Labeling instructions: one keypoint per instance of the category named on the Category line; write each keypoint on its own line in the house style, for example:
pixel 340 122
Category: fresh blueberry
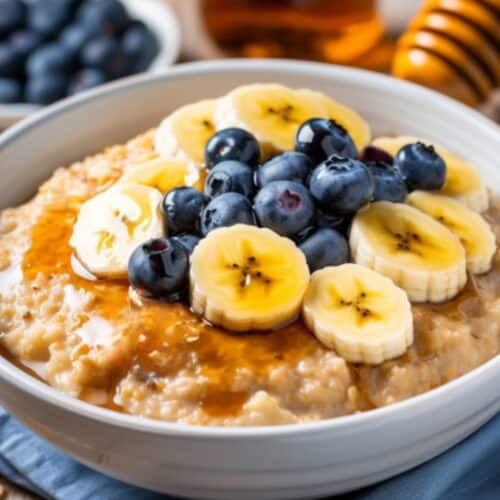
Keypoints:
pixel 108 16
pixel 48 17
pixel 11 63
pixel 230 176
pixel 226 210
pixel 334 221
pixel 75 36
pixel 86 79
pixel 49 58
pixel 12 16
pixel 140 47
pixel 10 91
pixel 319 138
pixel 182 207
pixel 285 207
pixel 372 153
pixel 420 166
pixel 24 42
pixel 159 267
pixel 45 89
pixel 325 247
pixel 388 183
pixel 289 166
pixel 104 53
pixel 341 185
pixel 232 144
pixel 188 241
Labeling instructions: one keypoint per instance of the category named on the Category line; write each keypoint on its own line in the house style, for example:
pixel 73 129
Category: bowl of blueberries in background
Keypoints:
pixel 51 49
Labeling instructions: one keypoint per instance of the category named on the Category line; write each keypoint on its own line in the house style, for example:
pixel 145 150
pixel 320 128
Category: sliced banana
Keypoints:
pixel 473 231
pixel 271 112
pixel 418 253
pixel 184 133
pixel 111 225
pixel 463 181
pixel 165 174
pixel 358 128
pixel 359 313
pixel 247 278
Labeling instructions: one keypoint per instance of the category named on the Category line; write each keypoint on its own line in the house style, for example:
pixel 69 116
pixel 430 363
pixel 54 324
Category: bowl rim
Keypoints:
pixel 40 390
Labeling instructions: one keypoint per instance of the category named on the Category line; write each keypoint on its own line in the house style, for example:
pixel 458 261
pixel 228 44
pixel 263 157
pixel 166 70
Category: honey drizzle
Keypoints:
pixel 168 338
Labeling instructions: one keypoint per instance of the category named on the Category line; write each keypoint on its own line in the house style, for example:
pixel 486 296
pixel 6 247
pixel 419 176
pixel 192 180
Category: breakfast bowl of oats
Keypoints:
pixel 246 279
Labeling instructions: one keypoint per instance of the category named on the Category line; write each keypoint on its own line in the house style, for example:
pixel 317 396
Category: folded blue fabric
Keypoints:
pixel 469 470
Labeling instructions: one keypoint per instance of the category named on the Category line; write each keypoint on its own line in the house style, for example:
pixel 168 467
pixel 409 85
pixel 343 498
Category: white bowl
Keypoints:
pixel 294 461
pixel 161 20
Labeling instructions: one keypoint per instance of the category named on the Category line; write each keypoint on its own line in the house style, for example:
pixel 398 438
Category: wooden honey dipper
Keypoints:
pixel 453 46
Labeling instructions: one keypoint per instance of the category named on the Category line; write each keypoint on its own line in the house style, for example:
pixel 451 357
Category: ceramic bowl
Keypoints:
pixel 161 20
pixel 283 462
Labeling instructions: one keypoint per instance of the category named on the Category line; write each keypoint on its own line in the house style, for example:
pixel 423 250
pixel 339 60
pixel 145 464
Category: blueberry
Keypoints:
pixel 388 183
pixel 24 42
pixel 188 241
pixel 182 207
pixel 325 247
pixel 12 16
pixel 45 89
pixel 140 46
pixel 341 185
pixel 11 63
pixel 49 58
pixel 230 176
pixel 334 221
pixel 104 53
pixel 75 36
pixel 10 91
pixel 420 166
pixel 159 267
pixel 226 210
pixel 107 16
pixel 48 17
pixel 372 153
pixel 319 138
pixel 86 79
pixel 286 207
pixel 232 144
pixel 289 166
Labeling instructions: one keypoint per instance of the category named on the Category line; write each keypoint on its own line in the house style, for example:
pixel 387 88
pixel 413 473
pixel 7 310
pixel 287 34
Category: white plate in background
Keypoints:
pixel 161 20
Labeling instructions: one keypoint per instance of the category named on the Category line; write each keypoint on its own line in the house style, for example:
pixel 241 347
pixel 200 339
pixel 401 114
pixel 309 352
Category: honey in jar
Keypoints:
pixel 328 30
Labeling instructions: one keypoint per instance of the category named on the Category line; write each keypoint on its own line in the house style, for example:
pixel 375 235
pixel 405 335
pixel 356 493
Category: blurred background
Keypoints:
pixel 53 48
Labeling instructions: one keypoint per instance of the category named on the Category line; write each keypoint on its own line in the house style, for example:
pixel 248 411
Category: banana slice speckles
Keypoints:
pixel 473 231
pixel 418 253
pixel 184 133
pixel 247 278
pixel 112 224
pixel 359 313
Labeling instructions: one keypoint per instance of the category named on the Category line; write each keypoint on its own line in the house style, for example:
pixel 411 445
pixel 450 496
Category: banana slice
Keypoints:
pixel 184 133
pixel 271 112
pixel 361 314
pixel 247 278
pixel 473 231
pixel 358 128
pixel 111 225
pixel 418 253
pixel 165 174
pixel 463 181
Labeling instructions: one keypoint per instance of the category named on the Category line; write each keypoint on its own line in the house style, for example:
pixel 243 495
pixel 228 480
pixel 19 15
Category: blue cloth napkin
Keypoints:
pixel 471 470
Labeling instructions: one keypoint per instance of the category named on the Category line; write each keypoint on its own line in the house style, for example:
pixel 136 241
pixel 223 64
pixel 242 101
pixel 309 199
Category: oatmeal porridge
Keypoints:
pixel 87 331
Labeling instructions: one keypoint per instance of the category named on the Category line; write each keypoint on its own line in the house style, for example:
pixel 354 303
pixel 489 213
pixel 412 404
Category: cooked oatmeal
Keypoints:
pixel 158 360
